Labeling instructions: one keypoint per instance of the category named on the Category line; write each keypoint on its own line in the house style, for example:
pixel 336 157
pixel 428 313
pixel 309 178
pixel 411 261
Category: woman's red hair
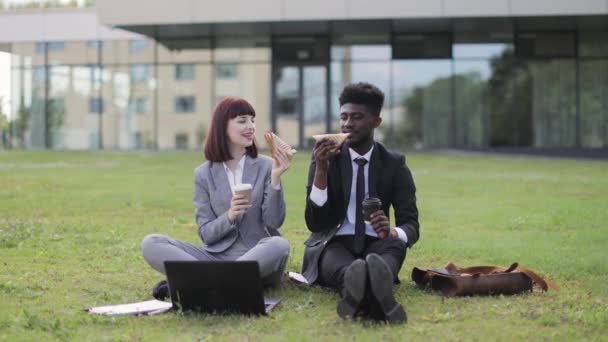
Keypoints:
pixel 216 144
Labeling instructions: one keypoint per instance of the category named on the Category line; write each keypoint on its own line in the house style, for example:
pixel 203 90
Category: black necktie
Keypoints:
pixel 359 224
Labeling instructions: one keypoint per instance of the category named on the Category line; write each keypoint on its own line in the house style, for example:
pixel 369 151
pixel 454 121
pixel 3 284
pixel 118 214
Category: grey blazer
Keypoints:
pixel 212 197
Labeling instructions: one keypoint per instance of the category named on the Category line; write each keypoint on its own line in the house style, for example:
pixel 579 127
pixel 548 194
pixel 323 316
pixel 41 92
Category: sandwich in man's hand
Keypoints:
pixel 338 138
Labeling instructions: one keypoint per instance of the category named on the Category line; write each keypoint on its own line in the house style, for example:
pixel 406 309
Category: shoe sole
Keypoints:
pixel 381 282
pixel 355 278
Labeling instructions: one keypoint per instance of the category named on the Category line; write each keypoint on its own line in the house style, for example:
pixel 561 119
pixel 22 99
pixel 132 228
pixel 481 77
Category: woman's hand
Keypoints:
pixel 238 205
pixel 280 163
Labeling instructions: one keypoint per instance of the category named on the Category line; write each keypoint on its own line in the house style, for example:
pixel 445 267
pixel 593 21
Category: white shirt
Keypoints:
pixel 347 227
pixel 236 177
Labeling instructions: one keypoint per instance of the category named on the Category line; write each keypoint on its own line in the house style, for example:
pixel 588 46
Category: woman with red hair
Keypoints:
pixel 232 226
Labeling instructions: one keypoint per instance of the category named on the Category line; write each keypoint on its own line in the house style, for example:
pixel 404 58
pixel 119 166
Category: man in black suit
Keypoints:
pixel 360 260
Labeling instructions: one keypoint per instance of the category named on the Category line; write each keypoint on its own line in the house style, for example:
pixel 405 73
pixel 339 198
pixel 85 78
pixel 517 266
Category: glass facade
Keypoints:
pixel 510 90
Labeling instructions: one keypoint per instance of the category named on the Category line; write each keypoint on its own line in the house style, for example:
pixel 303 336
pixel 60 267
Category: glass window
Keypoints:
pixel 422 94
pixel 39 76
pixel 593 44
pixel 181 141
pixel 226 71
pixel 242 49
pixel 137 45
pixel 171 123
pixel 470 98
pixel 140 72
pixel 552 90
pixel 120 122
pixel 479 50
pixel 95 44
pixel 40 47
pixel 55 46
pixel 184 104
pixel 138 105
pixel 95 105
pixel 184 72
pixel 593 88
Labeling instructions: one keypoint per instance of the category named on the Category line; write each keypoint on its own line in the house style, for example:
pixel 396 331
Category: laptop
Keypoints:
pixel 218 287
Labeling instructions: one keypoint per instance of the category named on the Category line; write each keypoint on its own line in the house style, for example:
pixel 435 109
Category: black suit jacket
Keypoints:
pixel 389 179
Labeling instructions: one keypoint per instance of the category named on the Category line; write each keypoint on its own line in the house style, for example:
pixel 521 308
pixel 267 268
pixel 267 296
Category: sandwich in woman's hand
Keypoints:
pixel 274 142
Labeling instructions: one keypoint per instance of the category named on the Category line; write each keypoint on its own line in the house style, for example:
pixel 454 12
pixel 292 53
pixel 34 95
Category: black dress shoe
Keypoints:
pixel 353 291
pixel 160 291
pixel 381 283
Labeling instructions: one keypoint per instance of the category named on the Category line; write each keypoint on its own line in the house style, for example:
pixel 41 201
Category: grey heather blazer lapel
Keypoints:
pixel 375 165
pixel 222 187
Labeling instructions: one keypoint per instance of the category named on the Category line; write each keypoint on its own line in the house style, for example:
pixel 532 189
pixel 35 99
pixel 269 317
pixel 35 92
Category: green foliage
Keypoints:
pixel 72 222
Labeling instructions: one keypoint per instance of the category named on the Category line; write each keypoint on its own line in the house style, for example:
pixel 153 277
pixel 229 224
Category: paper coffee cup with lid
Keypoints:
pixel 244 189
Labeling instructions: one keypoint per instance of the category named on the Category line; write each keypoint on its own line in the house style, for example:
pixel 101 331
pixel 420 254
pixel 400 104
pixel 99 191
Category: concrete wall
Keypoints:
pixel 64 25
pixel 118 12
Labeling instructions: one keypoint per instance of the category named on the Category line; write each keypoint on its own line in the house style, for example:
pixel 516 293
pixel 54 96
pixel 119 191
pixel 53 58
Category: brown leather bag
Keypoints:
pixel 480 280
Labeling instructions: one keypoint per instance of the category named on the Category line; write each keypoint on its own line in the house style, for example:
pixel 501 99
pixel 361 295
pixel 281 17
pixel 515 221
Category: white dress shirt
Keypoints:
pixel 235 177
pixel 347 227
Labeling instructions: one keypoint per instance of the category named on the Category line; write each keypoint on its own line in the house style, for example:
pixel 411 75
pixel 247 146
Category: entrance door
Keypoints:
pixel 301 107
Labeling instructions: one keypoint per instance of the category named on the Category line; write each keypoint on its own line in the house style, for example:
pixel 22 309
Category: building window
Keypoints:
pixel 226 71
pixel 138 105
pixel 181 141
pixel 49 46
pixel 139 72
pixel 184 104
pixel 138 141
pixel 94 44
pixel 96 105
pixel 137 46
pixel 184 72
pixel 39 75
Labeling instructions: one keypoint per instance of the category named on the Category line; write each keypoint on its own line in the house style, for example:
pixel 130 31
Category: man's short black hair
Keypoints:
pixel 365 94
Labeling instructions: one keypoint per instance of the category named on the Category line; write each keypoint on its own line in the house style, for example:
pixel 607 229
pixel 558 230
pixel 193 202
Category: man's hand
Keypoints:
pixel 324 150
pixel 381 224
pixel 238 205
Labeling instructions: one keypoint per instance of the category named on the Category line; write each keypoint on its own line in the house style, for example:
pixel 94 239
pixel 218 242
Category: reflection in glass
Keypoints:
pixel 314 102
pixel 376 73
pixel 594 103
pixel 422 93
pixel 554 103
pixel 191 128
pixel 485 50
pixel 122 127
pixel 71 125
pixel 288 104
pixel 470 100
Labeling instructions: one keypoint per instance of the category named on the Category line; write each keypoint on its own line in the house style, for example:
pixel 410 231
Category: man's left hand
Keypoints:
pixel 380 223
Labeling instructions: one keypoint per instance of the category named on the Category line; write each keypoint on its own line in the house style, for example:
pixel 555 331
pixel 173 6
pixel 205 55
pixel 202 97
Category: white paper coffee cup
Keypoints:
pixel 243 189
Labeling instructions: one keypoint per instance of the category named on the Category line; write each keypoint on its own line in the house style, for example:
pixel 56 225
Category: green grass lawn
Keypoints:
pixel 71 225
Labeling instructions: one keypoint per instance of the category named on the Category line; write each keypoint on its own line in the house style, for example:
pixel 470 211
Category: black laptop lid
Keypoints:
pixel 216 286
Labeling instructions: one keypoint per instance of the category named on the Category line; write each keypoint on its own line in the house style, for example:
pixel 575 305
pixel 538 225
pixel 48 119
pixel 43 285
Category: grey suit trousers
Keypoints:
pixel 271 253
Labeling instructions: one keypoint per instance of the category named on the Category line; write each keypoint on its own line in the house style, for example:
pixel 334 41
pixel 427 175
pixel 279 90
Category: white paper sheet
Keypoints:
pixel 298 278
pixel 149 307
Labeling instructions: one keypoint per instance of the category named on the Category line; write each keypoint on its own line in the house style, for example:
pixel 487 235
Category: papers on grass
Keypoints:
pixel 298 278
pixel 149 307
